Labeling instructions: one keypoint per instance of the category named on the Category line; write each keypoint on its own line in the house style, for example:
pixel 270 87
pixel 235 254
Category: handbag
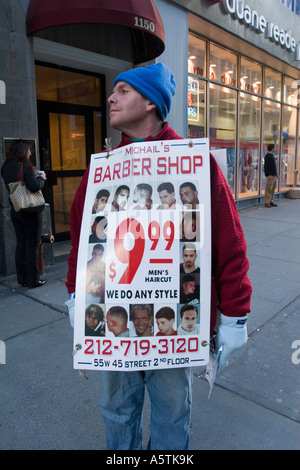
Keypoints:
pixel 22 198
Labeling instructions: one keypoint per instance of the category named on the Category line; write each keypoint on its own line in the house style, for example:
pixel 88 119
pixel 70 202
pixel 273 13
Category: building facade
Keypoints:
pixel 236 65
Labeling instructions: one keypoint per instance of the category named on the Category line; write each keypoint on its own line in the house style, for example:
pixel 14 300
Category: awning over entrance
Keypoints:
pixel 139 17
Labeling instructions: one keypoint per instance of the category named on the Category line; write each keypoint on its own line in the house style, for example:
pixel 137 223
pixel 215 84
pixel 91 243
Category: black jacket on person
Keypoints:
pixel 10 175
pixel 27 226
pixel 270 165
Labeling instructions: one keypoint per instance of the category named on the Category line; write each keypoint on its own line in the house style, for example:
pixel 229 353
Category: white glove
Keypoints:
pixel 71 308
pixel 231 335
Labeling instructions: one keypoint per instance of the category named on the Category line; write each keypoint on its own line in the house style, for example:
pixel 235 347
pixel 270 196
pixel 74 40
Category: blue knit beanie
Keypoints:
pixel 155 82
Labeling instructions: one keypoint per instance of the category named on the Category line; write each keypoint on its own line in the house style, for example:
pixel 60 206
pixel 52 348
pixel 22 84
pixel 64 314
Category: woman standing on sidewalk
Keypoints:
pixel 28 225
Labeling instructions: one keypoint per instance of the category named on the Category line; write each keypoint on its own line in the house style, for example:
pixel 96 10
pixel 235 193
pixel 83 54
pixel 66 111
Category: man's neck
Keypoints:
pixel 144 130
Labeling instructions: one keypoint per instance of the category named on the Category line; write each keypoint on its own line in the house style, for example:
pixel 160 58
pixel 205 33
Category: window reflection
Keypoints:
pixel 291 91
pixel 196 107
pixel 271 116
pixel 248 178
pixel 218 109
pixel 272 87
pixel 297 179
pixel 63 195
pixel 97 118
pixel 222 65
pixel 222 127
pixel 67 141
pixel 196 61
pixel 64 86
pixel 250 76
pixel 288 147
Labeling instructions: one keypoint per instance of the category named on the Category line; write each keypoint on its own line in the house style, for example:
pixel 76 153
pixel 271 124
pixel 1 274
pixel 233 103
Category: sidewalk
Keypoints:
pixel 255 403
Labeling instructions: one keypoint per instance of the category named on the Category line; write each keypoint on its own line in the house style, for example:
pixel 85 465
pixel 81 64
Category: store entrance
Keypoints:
pixel 68 134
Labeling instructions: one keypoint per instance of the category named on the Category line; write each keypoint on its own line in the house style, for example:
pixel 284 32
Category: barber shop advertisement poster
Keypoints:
pixel 144 264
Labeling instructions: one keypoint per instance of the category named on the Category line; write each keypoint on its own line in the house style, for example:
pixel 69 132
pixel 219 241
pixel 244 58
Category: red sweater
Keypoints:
pixel 231 288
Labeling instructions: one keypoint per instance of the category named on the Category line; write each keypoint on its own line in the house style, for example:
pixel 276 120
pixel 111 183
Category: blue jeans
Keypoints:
pixel 122 400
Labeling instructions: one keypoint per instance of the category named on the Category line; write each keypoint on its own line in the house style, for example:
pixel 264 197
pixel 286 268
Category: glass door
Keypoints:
pixel 69 132
pixel 68 154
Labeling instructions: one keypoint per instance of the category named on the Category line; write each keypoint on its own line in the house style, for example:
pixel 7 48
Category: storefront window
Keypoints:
pixel 289 120
pixel 236 93
pixel 250 76
pixel 222 65
pixel 196 88
pixel 196 61
pixel 196 107
pixel 67 141
pixel 271 126
pixel 272 88
pixel 297 181
pixel 291 91
pixel 64 86
pixel 222 129
pixel 248 174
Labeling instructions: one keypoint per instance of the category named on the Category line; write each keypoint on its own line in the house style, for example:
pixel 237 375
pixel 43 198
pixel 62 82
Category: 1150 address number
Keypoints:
pixel 144 24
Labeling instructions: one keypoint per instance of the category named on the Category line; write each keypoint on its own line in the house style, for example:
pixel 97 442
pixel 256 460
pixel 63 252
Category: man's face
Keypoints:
pixel 141 196
pixel 91 321
pixel 189 257
pixel 97 255
pixel 101 203
pixel 141 320
pixel 165 326
pixel 189 287
pixel 122 198
pixel 188 195
pixel 188 320
pixel 127 107
pixel 167 199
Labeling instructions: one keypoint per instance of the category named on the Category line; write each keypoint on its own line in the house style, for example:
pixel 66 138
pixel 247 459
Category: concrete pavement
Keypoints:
pixel 255 403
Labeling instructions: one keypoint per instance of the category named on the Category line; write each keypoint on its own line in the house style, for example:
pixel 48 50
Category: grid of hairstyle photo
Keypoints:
pixel 142 319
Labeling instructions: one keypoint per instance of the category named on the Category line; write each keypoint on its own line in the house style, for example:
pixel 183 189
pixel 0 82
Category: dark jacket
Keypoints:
pixel 10 175
pixel 270 165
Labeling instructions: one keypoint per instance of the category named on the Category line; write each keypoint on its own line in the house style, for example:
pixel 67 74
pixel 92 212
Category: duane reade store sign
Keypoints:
pixel 251 18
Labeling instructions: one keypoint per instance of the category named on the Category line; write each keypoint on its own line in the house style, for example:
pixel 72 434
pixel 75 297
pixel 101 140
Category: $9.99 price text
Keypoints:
pixel 133 257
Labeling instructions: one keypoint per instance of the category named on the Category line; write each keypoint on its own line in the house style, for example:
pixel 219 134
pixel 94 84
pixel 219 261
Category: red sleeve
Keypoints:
pixel 231 288
pixel 75 226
